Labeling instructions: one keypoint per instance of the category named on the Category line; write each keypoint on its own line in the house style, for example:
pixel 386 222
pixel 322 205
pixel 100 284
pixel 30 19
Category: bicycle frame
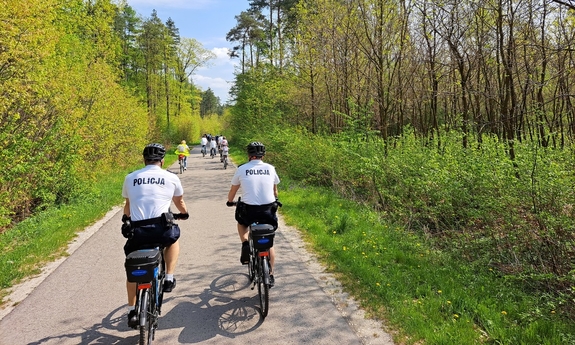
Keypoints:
pixel 259 273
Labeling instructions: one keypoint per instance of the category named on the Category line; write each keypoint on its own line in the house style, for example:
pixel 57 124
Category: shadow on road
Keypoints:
pixel 221 310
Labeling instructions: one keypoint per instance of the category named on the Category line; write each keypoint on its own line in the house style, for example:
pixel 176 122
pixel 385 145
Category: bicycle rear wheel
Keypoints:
pixel 263 287
pixel 181 167
pixel 145 324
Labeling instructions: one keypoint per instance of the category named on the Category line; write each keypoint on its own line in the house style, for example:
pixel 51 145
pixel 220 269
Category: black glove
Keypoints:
pixel 182 216
pixel 230 203
pixel 127 230
pixel 279 203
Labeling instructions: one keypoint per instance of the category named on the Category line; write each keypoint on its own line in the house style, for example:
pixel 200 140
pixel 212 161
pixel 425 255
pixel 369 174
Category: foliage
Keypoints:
pixel 85 85
pixel 427 296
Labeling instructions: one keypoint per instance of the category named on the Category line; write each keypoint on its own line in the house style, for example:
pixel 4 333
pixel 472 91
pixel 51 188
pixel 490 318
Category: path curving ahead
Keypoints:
pixel 82 299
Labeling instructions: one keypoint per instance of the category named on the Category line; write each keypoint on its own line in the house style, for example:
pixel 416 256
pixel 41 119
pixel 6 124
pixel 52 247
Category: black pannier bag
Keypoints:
pixel 141 265
pixel 263 236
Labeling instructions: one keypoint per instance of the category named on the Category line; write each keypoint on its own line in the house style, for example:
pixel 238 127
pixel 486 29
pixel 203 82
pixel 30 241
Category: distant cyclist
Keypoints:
pixel 213 147
pixel 183 150
pixel 258 181
pixel 223 143
pixel 149 193
pixel 204 143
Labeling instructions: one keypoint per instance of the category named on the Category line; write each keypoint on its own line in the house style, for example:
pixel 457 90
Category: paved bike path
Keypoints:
pixel 82 299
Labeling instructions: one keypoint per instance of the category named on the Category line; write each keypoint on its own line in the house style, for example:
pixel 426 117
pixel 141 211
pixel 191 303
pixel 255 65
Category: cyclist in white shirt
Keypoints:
pixel 213 147
pixel 149 192
pixel 223 144
pixel 258 181
pixel 204 142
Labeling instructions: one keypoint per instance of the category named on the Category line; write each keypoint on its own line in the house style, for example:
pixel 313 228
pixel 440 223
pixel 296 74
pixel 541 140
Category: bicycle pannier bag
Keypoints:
pixel 142 265
pixel 263 236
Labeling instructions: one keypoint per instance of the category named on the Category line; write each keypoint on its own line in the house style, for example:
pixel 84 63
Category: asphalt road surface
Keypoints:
pixel 81 299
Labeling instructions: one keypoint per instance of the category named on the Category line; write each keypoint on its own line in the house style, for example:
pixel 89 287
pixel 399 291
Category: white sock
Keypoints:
pixel 170 277
pixel 131 307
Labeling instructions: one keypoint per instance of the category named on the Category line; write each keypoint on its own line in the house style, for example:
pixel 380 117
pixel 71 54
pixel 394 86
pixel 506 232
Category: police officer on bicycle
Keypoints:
pixel 149 193
pixel 259 203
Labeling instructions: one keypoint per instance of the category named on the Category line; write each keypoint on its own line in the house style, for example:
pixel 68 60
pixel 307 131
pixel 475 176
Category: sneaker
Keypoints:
pixel 245 257
pixel 185 168
pixel 272 280
pixel 169 285
pixel 132 319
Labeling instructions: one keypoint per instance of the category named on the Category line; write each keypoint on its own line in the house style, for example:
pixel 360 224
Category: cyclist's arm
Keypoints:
pixel 127 207
pixel 276 190
pixel 232 194
pixel 180 204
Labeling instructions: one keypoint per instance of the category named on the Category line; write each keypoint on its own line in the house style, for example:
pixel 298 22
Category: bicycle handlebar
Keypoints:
pixel 182 216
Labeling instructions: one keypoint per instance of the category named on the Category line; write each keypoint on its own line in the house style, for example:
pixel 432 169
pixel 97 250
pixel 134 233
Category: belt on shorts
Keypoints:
pixel 138 223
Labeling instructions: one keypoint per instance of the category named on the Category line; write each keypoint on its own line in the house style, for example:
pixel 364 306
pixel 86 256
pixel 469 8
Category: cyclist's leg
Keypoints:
pixel 171 254
pixel 131 289
pixel 272 259
pixel 185 162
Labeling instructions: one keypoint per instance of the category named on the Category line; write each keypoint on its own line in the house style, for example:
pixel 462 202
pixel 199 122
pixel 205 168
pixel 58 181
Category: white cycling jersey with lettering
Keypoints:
pixel 150 191
pixel 257 180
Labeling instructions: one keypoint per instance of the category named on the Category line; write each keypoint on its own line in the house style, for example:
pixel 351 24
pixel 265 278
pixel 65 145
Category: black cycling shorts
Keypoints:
pixel 153 235
pixel 262 214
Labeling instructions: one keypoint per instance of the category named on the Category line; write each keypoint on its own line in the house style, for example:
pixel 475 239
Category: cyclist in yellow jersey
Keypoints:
pixel 184 150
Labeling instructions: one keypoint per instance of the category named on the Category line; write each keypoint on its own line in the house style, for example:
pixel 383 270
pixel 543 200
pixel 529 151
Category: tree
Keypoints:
pixel 191 55
pixel 210 104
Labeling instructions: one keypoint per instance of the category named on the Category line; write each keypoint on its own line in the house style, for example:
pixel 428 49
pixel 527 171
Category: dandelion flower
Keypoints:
pixel 504 312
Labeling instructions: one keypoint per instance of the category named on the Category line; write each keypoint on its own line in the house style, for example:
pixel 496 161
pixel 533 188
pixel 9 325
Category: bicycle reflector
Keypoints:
pixel 144 286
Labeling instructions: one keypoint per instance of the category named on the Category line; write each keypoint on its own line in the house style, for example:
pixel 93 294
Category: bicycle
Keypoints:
pixel 261 239
pixel 147 268
pixel 203 150
pixel 225 160
pixel 213 152
pixel 181 161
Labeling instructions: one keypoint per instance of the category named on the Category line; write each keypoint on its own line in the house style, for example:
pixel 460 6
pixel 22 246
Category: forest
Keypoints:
pixel 85 84
pixel 454 119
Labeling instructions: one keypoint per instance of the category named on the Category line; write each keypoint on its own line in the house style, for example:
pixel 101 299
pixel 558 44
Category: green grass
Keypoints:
pixel 428 296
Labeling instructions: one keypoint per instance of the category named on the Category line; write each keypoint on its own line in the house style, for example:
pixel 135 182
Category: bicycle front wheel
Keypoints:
pixel 263 288
pixel 145 325
pixel 181 167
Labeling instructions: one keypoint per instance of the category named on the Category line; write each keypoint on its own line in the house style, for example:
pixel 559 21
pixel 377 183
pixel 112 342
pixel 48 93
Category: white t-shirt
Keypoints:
pixel 213 144
pixel 204 141
pixel 257 180
pixel 224 142
pixel 225 150
pixel 150 191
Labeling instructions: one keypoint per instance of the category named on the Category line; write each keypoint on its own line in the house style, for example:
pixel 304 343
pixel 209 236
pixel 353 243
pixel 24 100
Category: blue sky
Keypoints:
pixel 207 21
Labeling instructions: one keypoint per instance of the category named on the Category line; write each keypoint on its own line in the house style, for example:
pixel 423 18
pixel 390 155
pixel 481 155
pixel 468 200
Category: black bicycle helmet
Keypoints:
pixel 154 152
pixel 256 149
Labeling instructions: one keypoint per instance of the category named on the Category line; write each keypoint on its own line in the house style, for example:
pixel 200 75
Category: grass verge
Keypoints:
pixel 426 296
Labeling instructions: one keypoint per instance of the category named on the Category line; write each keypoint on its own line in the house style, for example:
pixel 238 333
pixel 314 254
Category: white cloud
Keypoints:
pixel 182 4
pixel 219 85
